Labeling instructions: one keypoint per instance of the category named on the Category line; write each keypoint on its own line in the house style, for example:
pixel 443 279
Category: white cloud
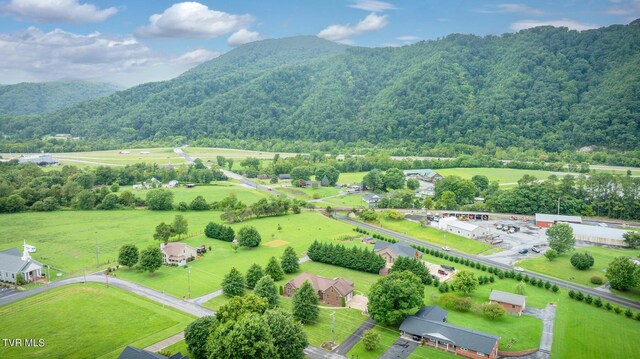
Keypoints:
pixel 243 36
pixel 372 5
pixel 510 8
pixel 407 38
pixel 370 23
pixel 34 55
pixel 70 11
pixel 193 20
pixel 349 42
pixel 568 23
pixel 625 8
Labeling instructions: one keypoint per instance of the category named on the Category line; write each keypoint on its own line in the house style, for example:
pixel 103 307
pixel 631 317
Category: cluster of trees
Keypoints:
pixel 165 231
pixel 219 231
pixel 356 258
pixel 149 259
pixel 538 89
pixel 236 211
pixel 597 301
pixel 394 297
pixel 623 273
pixel 378 181
pixel 414 266
pixel 246 327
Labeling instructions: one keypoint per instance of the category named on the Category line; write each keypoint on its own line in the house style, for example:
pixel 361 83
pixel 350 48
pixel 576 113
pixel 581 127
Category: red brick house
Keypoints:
pixel 512 303
pixel 330 291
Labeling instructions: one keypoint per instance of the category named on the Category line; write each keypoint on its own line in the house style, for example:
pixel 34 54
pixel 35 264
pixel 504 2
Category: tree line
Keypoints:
pixel 355 258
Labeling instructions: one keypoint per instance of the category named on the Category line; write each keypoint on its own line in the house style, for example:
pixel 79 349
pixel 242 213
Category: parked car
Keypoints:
pixel 416 338
pixel 519 269
pixel 442 272
pixel 523 251
pixel 535 249
pixel 505 228
pixel 512 231
pixel 445 248
pixel 499 226
pixel 446 267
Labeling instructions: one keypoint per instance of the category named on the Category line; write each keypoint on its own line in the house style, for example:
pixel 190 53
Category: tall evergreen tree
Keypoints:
pixel 233 283
pixel 274 270
pixel 266 288
pixel 305 303
pixel 254 273
pixel 289 261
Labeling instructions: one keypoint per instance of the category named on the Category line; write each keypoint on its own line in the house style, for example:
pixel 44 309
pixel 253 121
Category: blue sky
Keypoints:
pixel 130 42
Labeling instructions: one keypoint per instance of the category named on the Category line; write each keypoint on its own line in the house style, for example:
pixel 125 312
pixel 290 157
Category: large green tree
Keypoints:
pixel 233 283
pixel 328 174
pixel 394 178
pixel 150 259
pixel 465 282
pixel 287 333
pixel 305 303
pixel 254 273
pixel 128 255
pixel 632 239
pixel 623 274
pixel 266 288
pixel 249 237
pixel 582 261
pixel 163 232
pixel 561 237
pixel 196 335
pixel 159 199
pixel 414 266
pixel 394 297
pixel 273 269
pixel 374 180
pixel 289 261
pixel 180 225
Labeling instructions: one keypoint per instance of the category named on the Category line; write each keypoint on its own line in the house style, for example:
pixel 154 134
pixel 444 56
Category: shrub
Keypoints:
pixel 540 283
pixel 597 302
pixel 492 311
pixel 597 280
pixel 532 281
pixel 588 299
pixel 637 316
pixel 572 294
pixel 628 313
pixel 492 279
pixel 555 288
pixel 618 310
pixel 579 296
pixel 547 285
pixel 447 300
pixel 462 304
pixel 371 340
pixel 582 261
pixel 608 306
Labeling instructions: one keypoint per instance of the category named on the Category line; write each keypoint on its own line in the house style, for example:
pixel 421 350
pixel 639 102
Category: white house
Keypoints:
pixel 171 184
pixel 467 229
pixel 177 253
pixel 12 263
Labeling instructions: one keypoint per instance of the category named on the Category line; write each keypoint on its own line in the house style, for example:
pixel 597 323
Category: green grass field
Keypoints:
pixel 161 156
pixel 179 347
pixel 309 193
pixel 434 236
pixel 422 352
pixel 349 201
pixel 387 337
pixel 561 267
pixel 212 152
pixel 214 192
pixel 298 231
pixel 351 177
pixel 86 321
pixel 503 175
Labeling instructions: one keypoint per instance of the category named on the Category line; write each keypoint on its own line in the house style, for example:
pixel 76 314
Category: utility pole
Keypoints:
pixel 189 281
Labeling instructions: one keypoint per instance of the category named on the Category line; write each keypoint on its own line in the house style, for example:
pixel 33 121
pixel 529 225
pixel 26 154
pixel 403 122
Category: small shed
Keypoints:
pixel 512 303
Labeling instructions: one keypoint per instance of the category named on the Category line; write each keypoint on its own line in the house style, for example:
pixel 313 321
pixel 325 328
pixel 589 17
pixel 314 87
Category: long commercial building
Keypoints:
pixel 600 235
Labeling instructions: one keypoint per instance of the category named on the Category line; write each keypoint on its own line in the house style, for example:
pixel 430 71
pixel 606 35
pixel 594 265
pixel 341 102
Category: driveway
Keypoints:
pixel 354 338
pixel 548 317
pixel 401 349
pixel 4 291
pixel 359 302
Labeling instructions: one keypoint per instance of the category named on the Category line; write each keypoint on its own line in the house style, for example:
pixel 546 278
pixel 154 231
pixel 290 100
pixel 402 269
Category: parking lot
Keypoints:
pixel 528 237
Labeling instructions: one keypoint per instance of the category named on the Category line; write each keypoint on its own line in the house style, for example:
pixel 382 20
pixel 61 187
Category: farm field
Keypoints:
pixel 350 201
pixel 434 236
pixel 561 267
pixel 214 192
pixel 161 156
pixel 206 153
pixel 503 175
pixel 298 231
pixel 104 321
pixel 66 240
pixel 309 193
pixel 351 177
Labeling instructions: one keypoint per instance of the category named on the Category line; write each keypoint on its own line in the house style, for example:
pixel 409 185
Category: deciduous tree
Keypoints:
pixel 249 237
pixel 622 273
pixel 273 269
pixel 196 335
pixel 394 297
pixel 233 283
pixel 128 255
pixel 465 282
pixel 266 288
pixel 254 273
pixel 561 237
pixel 180 225
pixel 150 259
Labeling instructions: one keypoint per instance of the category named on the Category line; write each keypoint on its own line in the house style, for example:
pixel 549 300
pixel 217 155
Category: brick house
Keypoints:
pixel 512 303
pixel 330 291
pixel 429 327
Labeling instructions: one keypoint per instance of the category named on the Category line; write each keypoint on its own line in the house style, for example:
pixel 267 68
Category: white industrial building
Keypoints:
pixel 465 229
pixel 600 235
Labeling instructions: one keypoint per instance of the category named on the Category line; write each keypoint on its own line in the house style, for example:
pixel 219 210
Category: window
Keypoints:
pixel 479 353
pixel 513 306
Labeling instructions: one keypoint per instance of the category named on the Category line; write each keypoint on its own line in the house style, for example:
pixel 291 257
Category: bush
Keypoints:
pixel 598 302
pixel 572 294
pixel 555 288
pixel 462 304
pixel 582 261
pixel 493 311
pixel 628 313
pixel 588 299
pixel 579 296
pixel 597 280
pixel 547 285
pixel 532 281
pixel 618 310
pixel 371 340
pixel 608 306
pixel 249 237
pixel 540 283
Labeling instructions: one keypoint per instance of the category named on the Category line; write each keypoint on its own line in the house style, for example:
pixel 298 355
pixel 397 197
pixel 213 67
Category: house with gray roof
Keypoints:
pixel 12 263
pixel 429 327
pixel 391 251
pixel 372 199
pixel 512 303
pixel 425 175
pixel 135 353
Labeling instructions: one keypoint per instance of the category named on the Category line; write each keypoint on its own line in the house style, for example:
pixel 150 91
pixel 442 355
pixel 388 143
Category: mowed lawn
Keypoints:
pixel 214 192
pixel 161 155
pixel 67 239
pixel 561 267
pixel 86 321
pixel 349 201
pixel 435 236
pixel 309 193
pixel 387 337
pixel 206 274
pixel 351 177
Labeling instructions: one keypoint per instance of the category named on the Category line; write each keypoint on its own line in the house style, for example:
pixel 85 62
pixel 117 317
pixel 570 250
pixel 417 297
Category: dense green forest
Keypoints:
pixel 543 89
pixel 31 98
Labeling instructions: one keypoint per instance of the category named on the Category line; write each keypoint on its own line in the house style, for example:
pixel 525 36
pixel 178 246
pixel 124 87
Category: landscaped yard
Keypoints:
pixel 298 231
pixel 179 347
pixel 387 337
pixel 423 352
pixel 561 267
pixel 86 321
pixel 434 236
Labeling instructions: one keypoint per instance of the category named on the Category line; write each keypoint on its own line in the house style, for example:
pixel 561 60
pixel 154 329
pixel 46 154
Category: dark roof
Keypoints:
pixel 135 353
pixel 400 248
pixel 449 333
pixel 11 261
pixel 432 312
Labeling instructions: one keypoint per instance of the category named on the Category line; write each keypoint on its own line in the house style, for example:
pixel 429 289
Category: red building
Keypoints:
pixel 548 220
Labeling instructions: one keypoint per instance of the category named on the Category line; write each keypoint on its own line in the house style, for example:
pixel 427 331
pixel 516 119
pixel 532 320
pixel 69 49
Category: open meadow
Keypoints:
pixel 216 191
pixel 86 321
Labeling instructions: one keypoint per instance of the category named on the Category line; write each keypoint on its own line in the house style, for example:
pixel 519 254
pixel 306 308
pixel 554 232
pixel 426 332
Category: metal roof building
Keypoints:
pixel 601 235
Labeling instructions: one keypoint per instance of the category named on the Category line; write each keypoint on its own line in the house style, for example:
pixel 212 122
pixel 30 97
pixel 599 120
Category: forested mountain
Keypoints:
pixel 546 87
pixel 30 98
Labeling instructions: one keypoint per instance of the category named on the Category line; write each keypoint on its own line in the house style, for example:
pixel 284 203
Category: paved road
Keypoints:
pixel 353 339
pixel 401 349
pixel 605 296
pixel 4 291
pixel 548 317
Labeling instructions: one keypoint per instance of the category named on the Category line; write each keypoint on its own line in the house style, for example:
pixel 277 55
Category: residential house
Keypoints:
pixel 171 184
pixel 391 251
pixel 429 327
pixel 372 199
pixel 512 303
pixel 334 291
pixel 135 353
pixel 284 176
pixel 425 175
pixel 176 253
pixel 138 186
pixel 263 176
pixel 12 262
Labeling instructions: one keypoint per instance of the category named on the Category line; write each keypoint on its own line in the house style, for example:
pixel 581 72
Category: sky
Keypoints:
pixel 136 41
